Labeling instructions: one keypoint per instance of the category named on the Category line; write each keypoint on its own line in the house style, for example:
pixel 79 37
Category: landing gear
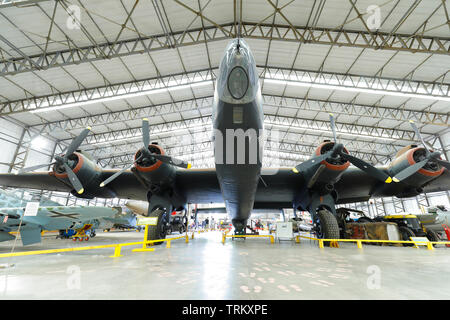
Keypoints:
pixel 432 235
pixel 326 226
pixel 162 226
pixel 406 234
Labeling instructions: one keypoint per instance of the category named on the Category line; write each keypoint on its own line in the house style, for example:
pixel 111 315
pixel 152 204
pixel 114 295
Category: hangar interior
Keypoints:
pixel 375 65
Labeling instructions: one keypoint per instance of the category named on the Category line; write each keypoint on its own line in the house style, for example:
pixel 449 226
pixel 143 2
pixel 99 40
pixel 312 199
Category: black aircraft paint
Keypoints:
pixel 238 128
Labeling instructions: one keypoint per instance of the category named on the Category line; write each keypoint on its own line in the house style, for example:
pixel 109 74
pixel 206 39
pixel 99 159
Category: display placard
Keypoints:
pixel 284 231
pixel 420 241
pixel 31 209
pixel 151 221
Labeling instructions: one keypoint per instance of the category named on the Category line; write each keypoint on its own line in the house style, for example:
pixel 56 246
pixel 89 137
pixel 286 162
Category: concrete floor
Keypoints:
pixel 241 269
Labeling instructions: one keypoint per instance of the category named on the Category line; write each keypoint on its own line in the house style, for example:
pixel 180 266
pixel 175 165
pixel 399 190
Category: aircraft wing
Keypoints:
pixel 125 186
pixel 277 189
pixel 35 180
pixel 202 186
pixel 441 183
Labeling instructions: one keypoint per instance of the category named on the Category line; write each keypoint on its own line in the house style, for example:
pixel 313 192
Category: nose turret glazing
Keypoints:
pixel 238 79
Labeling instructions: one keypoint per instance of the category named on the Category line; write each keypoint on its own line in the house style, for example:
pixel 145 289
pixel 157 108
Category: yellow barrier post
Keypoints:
pixel 187 238
pixel 334 244
pixel 430 246
pixel 297 239
pixel 223 238
pixel 192 235
pixel 321 243
pixel 144 244
pixel 272 240
pixel 116 252
pixel 359 244
pixel 168 244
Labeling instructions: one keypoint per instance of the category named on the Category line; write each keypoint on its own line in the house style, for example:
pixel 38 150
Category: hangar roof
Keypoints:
pixel 374 64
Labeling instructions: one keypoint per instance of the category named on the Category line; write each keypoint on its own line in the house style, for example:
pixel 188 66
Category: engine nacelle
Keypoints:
pixel 88 173
pixel 409 156
pixel 329 171
pixel 158 174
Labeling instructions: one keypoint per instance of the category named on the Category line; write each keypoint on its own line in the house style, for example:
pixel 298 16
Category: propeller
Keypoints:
pixel 338 151
pixel 146 154
pixel 429 156
pixel 118 173
pixel 63 161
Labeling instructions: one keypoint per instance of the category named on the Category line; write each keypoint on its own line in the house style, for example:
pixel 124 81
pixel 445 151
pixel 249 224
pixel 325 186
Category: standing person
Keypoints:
pixel 206 223
pixel 213 224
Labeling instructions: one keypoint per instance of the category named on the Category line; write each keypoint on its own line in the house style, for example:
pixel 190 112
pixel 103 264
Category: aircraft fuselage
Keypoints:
pixel 238 130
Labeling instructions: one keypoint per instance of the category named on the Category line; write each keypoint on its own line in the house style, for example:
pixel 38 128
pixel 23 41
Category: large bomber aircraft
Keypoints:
pixel 315 185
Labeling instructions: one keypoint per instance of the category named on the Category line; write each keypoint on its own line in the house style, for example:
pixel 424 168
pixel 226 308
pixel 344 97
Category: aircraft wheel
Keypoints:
pixel 432 236
pixel 406 233
pixel 326 226
pixel 160 230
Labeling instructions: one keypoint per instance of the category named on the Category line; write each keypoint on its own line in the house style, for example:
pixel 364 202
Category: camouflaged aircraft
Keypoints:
pixel 52 216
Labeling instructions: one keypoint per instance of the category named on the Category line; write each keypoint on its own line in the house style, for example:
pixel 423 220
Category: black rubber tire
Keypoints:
pixel 328 225
pixel 433 236
pixel 406 234
pixel 155 232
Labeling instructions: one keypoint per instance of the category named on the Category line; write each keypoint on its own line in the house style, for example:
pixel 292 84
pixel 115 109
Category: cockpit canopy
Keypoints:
pixel 238 79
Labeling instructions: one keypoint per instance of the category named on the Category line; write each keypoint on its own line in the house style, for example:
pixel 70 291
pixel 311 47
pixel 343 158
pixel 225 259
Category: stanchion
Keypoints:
pixel 144 244
pixel 116 252
pixel 359 244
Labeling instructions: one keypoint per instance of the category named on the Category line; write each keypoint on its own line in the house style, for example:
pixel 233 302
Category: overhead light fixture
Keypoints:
pixel 134 137
pixel 305 82
pixel 325 131
pixel 121 94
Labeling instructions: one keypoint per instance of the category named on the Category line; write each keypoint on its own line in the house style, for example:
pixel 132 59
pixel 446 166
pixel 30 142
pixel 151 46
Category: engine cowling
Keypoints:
pixel 331 169
pixel 158 174
pixel 87 172
pixel 409 156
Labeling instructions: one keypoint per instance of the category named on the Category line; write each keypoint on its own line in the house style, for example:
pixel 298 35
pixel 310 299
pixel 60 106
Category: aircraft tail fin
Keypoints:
pixel 30 236
pixel 5 236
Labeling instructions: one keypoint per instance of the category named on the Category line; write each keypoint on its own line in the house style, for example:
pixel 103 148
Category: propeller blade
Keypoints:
pixel 115 175
pixel 173 161
pixel 145 133
pixel 416 130
pixel 367 168
pixel 118 173
pixel 443 163
pixel 74 179
pixel 76 143
pixel 333 126
pixel 23 170
pixel 308 163
pixel 405 173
